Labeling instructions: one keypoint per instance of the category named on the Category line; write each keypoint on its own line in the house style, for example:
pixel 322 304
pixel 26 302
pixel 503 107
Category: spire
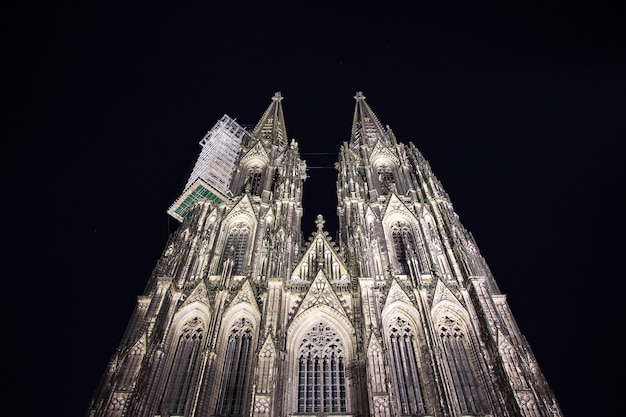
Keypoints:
pixel 366 129
pixel 271 127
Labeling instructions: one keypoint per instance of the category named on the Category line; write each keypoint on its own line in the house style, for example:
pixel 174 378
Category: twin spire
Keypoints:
pixel 366 128
pixel 212 174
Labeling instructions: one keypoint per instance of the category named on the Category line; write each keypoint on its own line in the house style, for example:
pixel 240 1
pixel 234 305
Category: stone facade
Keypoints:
pixel 398 317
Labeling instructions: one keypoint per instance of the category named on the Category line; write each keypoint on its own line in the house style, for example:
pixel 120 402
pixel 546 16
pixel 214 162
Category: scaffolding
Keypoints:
pixel 212 174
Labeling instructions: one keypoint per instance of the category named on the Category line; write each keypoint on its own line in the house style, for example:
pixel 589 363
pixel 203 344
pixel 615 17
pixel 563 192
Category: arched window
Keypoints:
pixel 236 246
pixel 403 244
pixel 186 360
pixel 276 180
pixel 402 342
pixel 253 181
pixel 236 370
pixel 321 372
pixel 386 179
pixel 458 358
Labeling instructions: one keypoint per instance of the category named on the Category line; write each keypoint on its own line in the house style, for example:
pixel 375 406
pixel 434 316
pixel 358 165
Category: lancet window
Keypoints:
pixel 386 179
pixel 408 246
pixel 185 364
pixel 321 372
pixel 253 181
pixel 276 180
pixel 236 246
pixel 403 244
pixel 402 342
pixel 458 356
pixel 236 370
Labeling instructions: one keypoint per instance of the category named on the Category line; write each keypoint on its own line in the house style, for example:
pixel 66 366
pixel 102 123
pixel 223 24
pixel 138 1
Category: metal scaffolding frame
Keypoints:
pixel 211 176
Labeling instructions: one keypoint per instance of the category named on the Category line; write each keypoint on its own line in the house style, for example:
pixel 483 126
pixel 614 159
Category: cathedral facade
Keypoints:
pixel 243 316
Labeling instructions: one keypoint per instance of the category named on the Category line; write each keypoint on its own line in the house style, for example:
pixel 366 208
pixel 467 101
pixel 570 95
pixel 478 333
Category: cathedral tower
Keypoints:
pixel 240 317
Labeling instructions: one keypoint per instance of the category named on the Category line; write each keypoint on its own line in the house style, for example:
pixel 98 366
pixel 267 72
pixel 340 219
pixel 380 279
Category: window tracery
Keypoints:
pixel 236 369
pixel 253 183
pixel 457 353
pixel 386 179
pixel 404 358
pixel 236 246
pixel 403 244
pixel 321 371
pixel 187 352
pixel 407 246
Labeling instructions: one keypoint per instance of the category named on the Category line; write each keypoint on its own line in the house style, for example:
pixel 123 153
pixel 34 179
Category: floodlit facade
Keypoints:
pixel 400 316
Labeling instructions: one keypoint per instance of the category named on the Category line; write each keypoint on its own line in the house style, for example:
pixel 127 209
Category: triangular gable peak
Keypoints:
pixel 396 294
pixel 447 310
pixel 268 214
pixel 243 208
pixel 383 152
pixel 256 153
pixel 245 295
pixel 320 255
pixel 395 207
pixel 321 293
pixel 370 215
pixel 198 294
pixel 373 344
pixel 443 295
pixel 268 348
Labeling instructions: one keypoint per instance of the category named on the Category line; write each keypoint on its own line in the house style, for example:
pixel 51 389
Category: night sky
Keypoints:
pixel 519 108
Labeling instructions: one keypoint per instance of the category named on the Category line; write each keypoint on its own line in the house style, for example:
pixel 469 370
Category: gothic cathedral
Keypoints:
pixel 399 316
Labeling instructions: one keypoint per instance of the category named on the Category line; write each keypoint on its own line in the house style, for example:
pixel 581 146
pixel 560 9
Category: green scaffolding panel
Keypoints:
pixel 200 193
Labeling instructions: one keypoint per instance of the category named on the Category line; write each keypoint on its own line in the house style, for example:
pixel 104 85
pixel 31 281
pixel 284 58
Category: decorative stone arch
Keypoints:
pixel 404 233
pixel 340 326
pixel 236 312
pixel 382 156
pixel 403 336
pixel 458 342
pixel 447 307
pixel 242 212
pixel 193 311
pixel 254 173
pixel 401 308
pixel 446 310
pixel 304 320
pixel 236 344
pixel 183 362
pixel 385 170
pixel 256 156
pixel 238 230
pixel 402 214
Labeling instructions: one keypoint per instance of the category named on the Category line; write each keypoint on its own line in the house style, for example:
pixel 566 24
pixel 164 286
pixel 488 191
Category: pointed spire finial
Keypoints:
pixel 320 222
pixel 271 126
pixel 359 96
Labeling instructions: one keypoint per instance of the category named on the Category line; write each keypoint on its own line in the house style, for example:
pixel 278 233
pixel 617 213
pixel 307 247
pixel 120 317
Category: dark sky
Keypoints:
pixel 519 108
